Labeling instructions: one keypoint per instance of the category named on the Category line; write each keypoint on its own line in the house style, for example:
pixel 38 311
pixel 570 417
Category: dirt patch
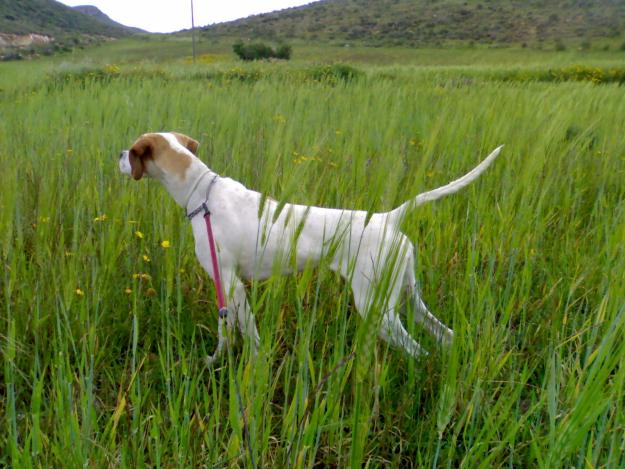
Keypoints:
pixel 24 40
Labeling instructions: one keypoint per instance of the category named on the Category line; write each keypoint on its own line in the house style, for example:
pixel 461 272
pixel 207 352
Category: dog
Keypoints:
pixel 255 235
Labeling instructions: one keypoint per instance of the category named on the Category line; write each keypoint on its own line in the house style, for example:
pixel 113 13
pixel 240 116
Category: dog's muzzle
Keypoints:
pixel 124 163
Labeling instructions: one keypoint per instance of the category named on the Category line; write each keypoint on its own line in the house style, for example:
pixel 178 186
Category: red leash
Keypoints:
pixel 221 301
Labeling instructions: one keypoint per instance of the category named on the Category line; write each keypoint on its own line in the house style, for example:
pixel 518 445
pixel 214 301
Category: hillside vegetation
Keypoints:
pixel 414 22
pixel 32 28
pixel 51 18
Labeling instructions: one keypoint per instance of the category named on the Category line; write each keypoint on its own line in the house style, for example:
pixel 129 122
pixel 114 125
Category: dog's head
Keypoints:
pixel 159 154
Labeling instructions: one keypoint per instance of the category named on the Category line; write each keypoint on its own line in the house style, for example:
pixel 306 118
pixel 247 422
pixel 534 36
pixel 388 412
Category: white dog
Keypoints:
pixel 369 251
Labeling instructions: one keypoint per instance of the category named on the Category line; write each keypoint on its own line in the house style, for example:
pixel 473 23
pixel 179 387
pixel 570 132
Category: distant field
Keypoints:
pixel 103 331
pixel 167 48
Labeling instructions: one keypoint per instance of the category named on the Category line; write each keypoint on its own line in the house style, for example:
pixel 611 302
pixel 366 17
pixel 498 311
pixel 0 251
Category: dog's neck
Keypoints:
pixel 189 192
pixel 200 191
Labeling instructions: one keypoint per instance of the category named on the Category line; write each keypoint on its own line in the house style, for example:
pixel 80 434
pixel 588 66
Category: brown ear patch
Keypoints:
pixel 140 151
pixel 153 153
pixel 136 166
pixel 187 142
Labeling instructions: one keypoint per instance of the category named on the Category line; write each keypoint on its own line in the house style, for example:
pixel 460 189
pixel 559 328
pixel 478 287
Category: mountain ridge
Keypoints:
pixel 99 15
pixel 417 22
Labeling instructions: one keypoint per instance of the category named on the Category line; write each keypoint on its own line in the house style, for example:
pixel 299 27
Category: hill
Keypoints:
pixel 416 22
pixel 97 14
pixel 52 19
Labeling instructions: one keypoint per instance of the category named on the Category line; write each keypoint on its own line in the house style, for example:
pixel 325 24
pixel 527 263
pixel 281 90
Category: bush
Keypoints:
pixel 12 56
pixel 580 73
pixel 284 52
pixel 257 51
pixel 335 73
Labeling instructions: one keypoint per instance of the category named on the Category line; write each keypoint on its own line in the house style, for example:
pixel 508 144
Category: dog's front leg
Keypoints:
pixel 226 321
pixel 238 310
pixel 221 344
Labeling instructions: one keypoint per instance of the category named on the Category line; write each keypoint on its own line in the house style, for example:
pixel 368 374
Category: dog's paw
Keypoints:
pixel 211 359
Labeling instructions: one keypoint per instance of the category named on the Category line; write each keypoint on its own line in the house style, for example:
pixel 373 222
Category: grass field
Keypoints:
pixel 106 316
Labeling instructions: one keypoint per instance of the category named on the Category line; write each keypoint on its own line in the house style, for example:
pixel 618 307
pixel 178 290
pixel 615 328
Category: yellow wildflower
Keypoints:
pixel 128 291
pixel 146 258
pixel 142 276
pixel 79 292
pixel 138 234
pixel 165 244
pixel 112 69
pixel 100 218
pixel 279 118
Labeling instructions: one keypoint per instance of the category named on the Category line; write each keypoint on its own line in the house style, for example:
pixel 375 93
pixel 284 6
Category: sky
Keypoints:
pixel 164 16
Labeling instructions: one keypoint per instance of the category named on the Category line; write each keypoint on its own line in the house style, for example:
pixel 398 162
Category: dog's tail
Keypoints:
pixel 454 186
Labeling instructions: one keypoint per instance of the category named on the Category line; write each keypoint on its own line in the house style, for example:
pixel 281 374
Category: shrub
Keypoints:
pixel 284 52
pixel 257 51
pixel 579 73
pixel 334 73
pixel 12 56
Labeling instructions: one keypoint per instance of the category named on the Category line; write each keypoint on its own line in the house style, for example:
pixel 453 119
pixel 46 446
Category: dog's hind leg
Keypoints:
pixel 393 332
pixel 423 316
pixel 391 329
pixel 443 334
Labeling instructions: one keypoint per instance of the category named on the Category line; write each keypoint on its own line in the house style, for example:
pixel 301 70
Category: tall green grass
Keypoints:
pixel 103 330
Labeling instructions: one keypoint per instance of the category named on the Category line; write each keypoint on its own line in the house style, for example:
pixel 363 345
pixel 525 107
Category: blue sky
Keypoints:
pixel 172 15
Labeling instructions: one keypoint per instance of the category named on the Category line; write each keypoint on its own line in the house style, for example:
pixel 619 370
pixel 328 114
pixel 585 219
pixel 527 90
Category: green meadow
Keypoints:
pixel 106 316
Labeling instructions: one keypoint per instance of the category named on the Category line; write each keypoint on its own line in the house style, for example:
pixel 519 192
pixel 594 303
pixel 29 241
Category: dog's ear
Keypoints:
pixel 142 149
pixel 187 142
